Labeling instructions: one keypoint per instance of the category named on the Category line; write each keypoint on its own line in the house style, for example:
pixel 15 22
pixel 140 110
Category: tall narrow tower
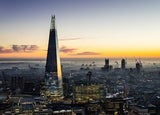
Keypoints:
pixel 123 64
pixel 53 73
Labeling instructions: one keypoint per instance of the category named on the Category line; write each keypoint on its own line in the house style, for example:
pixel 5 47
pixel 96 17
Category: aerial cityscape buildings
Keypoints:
pixel 87 89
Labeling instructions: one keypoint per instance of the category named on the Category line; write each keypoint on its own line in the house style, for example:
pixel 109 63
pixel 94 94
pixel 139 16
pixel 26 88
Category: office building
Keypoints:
pixel 123 64
pixel 107 67
pixel 84 93
pixel 53 73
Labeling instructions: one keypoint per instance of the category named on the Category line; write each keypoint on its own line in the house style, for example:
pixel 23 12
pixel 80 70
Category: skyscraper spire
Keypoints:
pixel 52 22
pixel 53 73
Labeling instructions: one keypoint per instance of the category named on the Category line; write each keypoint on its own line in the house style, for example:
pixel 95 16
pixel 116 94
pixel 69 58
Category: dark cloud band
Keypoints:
pixel 67 50
pixel 19 48
pixel 88 53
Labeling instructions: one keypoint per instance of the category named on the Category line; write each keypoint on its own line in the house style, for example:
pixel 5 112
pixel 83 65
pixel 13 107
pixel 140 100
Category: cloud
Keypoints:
pixel 4 50
pixel 19 48
pixel 88 53
pixel 24 48
pixel 68 39
pixel 67 50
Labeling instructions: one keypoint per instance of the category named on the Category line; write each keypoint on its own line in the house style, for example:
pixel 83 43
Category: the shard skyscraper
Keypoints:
pixel 53 73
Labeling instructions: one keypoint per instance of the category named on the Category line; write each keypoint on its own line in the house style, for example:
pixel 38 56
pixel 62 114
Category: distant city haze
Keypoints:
pixel 86 29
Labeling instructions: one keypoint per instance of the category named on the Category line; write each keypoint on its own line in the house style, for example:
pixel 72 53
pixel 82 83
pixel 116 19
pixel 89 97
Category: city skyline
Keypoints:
pixel 85 29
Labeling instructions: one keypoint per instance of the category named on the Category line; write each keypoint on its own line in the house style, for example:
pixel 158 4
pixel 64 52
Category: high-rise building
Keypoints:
pixel 53 73
pixel 123 64
pixel 107 67
pixel 138 67
pixel 107 62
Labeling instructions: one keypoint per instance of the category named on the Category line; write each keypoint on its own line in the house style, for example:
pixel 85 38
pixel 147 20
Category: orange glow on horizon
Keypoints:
pixel 133 53
pixel 38 54
pixel 102 54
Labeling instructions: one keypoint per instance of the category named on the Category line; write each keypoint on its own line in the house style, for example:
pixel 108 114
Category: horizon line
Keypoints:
pixel 43 59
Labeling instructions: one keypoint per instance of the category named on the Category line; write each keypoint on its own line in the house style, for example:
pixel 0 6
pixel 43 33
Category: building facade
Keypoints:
pixel 84 93
pixel 53 73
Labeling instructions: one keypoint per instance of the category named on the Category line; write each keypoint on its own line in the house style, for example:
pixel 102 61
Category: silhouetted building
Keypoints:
pixel 53 74
pixel 106 62
pixel 107 67
pixel 123 64
pixel 138 67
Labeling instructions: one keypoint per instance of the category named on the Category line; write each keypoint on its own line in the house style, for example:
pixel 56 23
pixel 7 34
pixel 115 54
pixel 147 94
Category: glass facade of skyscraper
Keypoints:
pixel 53 73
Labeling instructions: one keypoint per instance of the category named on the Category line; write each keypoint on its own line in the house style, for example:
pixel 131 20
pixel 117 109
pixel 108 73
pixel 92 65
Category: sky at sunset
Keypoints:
pixel 86 28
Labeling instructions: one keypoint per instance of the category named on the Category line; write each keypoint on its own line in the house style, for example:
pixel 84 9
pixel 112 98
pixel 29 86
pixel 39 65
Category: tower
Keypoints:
pixel 53 73
pixel 138 67
pixel 123 64
pixel 106 66
pixel 107 62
